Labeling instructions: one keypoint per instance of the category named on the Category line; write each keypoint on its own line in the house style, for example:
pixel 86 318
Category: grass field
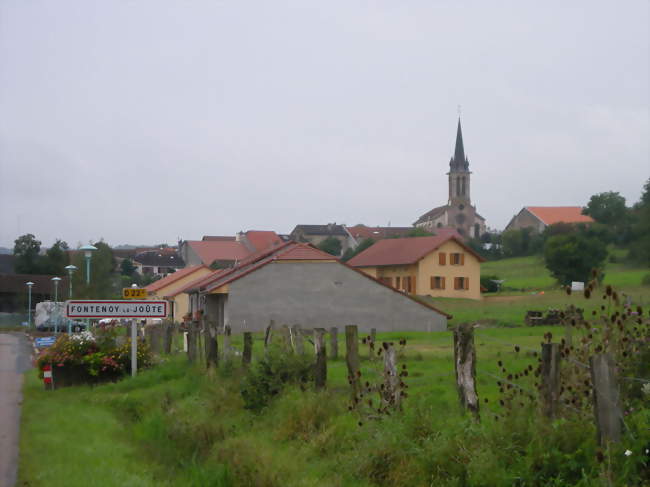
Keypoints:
pixel 178 425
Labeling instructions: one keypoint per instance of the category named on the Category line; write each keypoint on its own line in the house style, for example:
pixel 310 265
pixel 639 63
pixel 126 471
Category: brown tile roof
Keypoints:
pixel 171 278
pixel 403 251
pixel 559 214
pixel 209 251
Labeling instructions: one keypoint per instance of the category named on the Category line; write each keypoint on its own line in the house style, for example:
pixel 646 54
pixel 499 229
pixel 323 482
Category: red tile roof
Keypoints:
pixel 556 214
pixel 403 251
pixel 197 283
pixel 263 239
pixel 209 250
pixel 171 278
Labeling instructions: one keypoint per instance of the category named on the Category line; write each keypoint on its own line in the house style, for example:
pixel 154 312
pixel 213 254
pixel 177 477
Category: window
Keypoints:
pixel 442 258
pixel 461 283
pixel 457 259
pixel 408 284
pixel 437 282
pixel 397 283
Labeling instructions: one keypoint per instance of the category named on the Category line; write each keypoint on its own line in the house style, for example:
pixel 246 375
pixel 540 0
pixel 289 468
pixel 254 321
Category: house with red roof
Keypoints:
pixel 295 283
pixel 223 252
pixel 438 266
pixel 167 287
pixel 539 217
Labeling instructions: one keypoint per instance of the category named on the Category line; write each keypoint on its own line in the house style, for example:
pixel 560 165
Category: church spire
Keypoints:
pixel 459 162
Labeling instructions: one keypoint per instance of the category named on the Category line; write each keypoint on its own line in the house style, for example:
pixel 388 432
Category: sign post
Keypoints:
pixel 119 309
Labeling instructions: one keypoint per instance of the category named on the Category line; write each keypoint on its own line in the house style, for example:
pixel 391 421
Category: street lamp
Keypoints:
pixel 29 306
pixel 56 281
pixel 88 252
pixel 70 268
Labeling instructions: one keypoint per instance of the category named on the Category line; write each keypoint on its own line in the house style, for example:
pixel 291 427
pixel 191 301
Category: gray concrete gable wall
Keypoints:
pixel 323 295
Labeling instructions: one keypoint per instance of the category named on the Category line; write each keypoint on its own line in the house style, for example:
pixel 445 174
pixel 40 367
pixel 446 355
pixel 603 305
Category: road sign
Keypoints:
pixel 115 309
pixel 134 293
pixel 44 342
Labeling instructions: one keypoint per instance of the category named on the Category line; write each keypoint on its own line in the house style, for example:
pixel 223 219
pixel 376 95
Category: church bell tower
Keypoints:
pixel 459 174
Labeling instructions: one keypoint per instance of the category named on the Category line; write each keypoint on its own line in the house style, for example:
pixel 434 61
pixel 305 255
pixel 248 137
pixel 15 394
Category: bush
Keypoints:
pixel 646 280
pixel 269 376
pixel 487 283
pixel 572 257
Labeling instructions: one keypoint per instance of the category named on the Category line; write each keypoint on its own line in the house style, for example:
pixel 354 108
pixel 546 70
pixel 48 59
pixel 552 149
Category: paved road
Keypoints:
pixel 15 358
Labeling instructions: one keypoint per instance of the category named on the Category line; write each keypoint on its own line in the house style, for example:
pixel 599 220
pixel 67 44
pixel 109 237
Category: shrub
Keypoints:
pixel 269 376
pixel 487 283
pixel 646 280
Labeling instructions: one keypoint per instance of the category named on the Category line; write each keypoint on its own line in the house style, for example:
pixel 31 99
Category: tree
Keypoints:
pixel 331 245
pixel 349 253
pixel 521 242
pixel 56 258
pixel 127 268
pixel 26 249
pixel 607 208
pixel 640 231
pixel 104 281
pixel 572 257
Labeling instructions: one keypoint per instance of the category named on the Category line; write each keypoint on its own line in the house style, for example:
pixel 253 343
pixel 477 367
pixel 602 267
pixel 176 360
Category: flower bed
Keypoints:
pixel 85 358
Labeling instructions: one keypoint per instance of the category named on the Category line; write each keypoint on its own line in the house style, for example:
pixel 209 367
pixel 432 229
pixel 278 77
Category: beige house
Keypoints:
pixel 440 266
pixel 168 288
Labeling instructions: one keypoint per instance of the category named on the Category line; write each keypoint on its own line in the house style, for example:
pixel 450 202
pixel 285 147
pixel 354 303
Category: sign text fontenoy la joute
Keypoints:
pixel 115 309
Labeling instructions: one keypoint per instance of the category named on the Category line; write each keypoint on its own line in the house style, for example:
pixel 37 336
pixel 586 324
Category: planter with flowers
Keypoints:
pixel 85 358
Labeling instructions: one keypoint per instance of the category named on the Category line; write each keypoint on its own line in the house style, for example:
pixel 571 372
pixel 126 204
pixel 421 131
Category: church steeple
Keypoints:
pixel 459 173
pixel 459 162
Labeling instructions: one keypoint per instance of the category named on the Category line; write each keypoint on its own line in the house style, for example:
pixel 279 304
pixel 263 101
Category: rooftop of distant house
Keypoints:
pixel 559 214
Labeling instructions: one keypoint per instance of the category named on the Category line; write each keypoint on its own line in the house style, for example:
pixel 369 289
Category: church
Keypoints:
pixel 458 213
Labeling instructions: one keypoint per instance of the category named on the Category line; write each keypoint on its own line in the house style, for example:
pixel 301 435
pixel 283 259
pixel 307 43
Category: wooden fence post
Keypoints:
pixel 465 365
pixel 286 338
pixel 226 343
pixel 352 357
pixel 211 345
pixel 268 335
pixel 248 349
pixel 607 409
pixel 167 340
pixel 334 343
pixel 391 395
pixel 192 340
pixel 550 379
pixel 298 340
pixel 320 372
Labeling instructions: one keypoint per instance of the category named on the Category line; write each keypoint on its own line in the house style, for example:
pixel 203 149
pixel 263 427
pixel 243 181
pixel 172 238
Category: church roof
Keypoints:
pixel 431 214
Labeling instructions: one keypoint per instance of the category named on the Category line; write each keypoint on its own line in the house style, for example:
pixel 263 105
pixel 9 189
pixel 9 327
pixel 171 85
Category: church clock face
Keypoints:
pixel 461 206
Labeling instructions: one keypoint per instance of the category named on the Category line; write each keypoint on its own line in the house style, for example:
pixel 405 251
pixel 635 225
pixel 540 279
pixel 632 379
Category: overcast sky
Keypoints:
pixel 145 121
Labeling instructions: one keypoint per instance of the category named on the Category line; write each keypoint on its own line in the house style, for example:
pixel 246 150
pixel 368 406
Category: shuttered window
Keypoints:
pixel 442 258
pixel 437 282
pixel 457 259
pixel 461 283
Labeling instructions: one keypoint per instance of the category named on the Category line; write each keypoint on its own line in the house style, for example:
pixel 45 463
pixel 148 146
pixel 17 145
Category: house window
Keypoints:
pixel 408 284
pixel 457 259
pixel 442 258
pixel 461 283
pixel 397 283
pixel 437 282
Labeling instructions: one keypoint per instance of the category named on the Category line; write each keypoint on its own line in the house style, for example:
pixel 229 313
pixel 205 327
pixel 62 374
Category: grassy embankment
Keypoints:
pixel 177 425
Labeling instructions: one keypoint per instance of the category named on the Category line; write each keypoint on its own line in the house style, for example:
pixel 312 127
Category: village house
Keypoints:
pixel 539 217
pixel 458 213
pixel 224 251
pixel 440 266
pixel 295 283
pixel 316 234
pixel 158 262
pixel 168 288
pixel 361 232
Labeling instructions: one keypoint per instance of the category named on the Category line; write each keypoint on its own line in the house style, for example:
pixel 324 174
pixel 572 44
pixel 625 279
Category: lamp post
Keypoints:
pixel 70 268
pixel 88 252
pixel 56 281
pixel 29 300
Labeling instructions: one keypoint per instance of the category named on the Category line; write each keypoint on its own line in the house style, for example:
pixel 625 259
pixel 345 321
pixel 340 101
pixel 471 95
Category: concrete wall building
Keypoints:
pixel 440 266
pixel 298 284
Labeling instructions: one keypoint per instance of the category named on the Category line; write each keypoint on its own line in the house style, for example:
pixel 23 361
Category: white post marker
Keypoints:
pixel 134 348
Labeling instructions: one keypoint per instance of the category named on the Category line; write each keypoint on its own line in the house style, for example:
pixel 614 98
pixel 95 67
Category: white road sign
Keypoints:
pixel 115 309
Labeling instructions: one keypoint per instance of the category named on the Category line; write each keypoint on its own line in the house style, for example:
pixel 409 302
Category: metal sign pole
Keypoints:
pixel 134 347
